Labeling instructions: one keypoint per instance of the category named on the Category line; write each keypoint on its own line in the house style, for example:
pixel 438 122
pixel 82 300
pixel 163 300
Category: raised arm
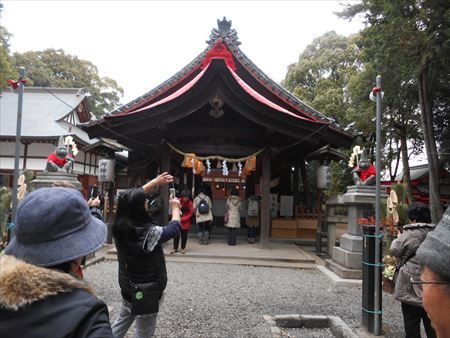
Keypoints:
pixel 173 228
pixel 157 234
pixel 163 179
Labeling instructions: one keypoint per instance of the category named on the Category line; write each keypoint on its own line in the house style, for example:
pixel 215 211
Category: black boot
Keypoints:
pixel 230 236
pixel 233 236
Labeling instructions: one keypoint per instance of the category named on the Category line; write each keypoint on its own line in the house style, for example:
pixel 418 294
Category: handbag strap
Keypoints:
pixel 403 262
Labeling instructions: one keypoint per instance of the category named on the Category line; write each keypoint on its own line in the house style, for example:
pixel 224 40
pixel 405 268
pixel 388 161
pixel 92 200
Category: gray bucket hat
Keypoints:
pixel 434 251
pixel 53 226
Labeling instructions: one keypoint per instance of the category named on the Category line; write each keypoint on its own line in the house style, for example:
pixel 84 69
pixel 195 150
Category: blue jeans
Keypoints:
pixel 145 324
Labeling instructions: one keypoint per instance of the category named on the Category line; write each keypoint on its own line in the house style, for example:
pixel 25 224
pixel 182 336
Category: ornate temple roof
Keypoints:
pixel 223 44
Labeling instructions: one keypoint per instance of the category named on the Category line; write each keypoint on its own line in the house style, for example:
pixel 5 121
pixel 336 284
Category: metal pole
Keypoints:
pixel 17 152
pixel 377 307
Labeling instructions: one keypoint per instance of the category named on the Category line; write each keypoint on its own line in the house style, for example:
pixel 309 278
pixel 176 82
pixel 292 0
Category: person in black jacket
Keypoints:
pixel 94 205
pixel 140 254
pixel 41 291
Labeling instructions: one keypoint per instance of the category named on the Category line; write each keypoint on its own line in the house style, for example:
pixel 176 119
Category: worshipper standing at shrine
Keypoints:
pixel 404 248
pixel 233 208
pixel 42 293
pixel 252 219
pixel 434 255
pixel 187 211
pixel 203 216
pixel 142 267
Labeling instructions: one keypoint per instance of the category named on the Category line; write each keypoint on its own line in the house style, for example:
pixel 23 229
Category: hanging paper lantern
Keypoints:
pixel 74 149
pixel 68 140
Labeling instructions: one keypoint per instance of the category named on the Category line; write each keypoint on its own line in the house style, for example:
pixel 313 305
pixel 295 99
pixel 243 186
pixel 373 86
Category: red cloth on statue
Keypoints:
pixel 365 174
pixel 60 162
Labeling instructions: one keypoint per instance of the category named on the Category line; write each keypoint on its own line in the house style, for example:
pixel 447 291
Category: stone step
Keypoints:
pixel 233 261
pixel 213 256
pixel 342 271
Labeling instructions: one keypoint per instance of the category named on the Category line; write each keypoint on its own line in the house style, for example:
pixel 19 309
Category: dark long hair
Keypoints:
pixel 130 213
pixel 419 212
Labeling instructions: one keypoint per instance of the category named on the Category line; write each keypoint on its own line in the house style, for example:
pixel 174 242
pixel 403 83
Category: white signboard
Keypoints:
pixel 273 205
pixel 106 170
pixel 286 206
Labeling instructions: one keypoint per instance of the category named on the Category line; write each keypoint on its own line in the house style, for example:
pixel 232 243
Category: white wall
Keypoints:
pixel 37 158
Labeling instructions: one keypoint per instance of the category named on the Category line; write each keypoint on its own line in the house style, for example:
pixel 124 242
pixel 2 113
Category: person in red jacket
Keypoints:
pixel 186 213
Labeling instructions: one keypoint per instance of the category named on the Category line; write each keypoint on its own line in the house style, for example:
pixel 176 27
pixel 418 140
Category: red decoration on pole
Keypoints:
pixel 219 51
pixel 376 90
pixel 15 84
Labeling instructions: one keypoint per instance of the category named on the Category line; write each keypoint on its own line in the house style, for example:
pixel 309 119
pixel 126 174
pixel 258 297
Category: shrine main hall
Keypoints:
pixel 221 122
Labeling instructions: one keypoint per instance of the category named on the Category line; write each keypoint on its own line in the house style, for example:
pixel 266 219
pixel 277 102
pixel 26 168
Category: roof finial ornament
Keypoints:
pixel 224 32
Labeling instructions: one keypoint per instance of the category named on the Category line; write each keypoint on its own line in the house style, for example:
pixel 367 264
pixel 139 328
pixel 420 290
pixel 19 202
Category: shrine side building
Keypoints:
pixel 47 114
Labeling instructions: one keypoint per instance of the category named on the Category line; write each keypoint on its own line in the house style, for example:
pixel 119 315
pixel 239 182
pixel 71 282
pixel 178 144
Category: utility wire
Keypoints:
pixel 106 128
pixel 303 139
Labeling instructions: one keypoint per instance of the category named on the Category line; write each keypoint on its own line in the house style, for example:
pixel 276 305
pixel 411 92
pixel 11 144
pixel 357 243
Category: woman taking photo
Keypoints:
pixel 141 257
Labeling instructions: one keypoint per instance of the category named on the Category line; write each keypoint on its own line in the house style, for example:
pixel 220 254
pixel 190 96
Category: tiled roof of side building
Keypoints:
pixel 40 112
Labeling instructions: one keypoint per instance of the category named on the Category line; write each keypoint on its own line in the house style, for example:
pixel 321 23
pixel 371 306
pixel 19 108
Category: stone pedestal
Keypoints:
pixel 46 179
pixel 347 258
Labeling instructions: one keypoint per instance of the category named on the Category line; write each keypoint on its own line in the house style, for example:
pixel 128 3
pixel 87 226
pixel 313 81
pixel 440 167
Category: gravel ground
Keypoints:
pixel 215 300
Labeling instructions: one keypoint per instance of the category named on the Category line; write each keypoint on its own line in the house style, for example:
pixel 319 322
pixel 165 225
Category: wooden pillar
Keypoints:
pixel 295 190
pixel 95 164
pixel 164 193
pixel 305 184
pixel 265 201
pixel 84 164
pixel 319 222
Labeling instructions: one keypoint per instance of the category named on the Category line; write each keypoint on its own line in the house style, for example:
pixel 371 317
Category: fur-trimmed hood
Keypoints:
pixel 22 283
pixel 417 226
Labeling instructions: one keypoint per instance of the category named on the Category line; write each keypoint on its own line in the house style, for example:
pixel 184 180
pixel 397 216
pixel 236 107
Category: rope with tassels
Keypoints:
pixel 215 157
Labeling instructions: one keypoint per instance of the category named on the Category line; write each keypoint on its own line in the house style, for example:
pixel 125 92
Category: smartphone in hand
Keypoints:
pixel 172 193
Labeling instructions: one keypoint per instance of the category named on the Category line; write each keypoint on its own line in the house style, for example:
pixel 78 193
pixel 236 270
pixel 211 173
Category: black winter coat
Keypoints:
pixel 41 303
pixel 142 261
